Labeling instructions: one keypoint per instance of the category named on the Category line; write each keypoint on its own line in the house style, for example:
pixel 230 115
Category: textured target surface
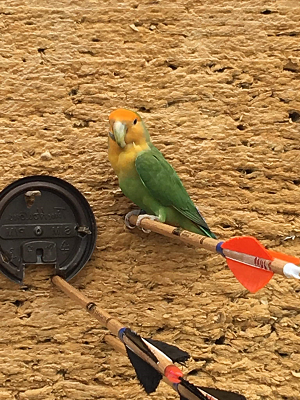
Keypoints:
pixel 218 85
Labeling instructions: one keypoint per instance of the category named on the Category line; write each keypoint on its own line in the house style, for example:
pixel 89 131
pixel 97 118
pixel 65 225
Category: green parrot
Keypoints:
pixel 146 177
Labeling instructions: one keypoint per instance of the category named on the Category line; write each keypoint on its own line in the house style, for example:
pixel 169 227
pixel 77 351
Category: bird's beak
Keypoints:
pixel 119 132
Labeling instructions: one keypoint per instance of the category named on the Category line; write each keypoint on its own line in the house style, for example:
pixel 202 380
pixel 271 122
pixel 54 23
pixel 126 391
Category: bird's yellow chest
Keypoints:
pixel 123 160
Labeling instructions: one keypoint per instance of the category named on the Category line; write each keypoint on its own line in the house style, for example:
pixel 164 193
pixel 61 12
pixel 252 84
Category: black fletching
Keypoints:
pixel 223 394
pixel 173 352
pixel 138 341
pixel 147 375
pixel 217 393
pixel 192 389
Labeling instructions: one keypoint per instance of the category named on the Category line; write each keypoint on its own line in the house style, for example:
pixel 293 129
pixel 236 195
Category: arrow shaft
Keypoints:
pixel 209 244
pixel 114 326
pixel 252 261
pixel 163 360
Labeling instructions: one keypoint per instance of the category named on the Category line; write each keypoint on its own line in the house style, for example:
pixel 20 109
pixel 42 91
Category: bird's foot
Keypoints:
pixel 127 218
pixel 147 216
pixel 140 216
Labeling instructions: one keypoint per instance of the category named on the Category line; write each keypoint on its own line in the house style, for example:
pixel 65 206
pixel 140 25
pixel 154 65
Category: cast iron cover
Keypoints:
pixel 44 220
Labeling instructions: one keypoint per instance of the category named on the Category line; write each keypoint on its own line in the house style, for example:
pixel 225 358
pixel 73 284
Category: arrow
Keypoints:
pixel 251 263
pixel 152 360
pixel 186 390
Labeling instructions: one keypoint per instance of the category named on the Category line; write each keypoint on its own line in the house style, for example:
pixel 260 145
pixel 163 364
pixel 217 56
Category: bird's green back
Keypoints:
pixel 165 186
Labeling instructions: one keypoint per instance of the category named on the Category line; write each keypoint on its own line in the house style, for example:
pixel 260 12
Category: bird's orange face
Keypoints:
pixel 126 127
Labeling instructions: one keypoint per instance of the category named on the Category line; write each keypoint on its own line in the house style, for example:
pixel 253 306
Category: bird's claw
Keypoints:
pixel 127 218
pixel 147 216
pixel 140 217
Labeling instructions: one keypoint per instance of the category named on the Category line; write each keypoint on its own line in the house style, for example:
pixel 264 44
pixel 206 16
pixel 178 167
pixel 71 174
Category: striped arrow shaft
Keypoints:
pixel 276 265
pixel 252 261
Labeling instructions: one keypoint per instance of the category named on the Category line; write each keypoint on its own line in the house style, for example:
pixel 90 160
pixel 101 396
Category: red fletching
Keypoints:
pixel 251 278
pixel 284 257
pixel 173 373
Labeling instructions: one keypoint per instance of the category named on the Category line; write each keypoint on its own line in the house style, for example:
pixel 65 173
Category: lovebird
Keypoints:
pixel 146 177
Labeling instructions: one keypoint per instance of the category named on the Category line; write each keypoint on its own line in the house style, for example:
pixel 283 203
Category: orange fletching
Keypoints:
pixel 284 257
pixel 251 278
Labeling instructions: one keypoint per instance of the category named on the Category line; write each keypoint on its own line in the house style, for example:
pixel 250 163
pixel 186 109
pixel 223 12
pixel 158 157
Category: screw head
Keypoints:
pixel 38 230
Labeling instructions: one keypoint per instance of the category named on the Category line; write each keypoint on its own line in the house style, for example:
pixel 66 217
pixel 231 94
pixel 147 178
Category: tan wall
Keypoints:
pixel 216 82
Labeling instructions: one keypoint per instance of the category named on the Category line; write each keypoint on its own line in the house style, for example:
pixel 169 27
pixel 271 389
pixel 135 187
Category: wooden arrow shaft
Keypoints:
pixel 275 266
pixel 113 325
pixel 209 244
pixel 177 233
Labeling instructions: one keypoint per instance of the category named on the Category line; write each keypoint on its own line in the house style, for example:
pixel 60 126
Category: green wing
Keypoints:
pixel 165 186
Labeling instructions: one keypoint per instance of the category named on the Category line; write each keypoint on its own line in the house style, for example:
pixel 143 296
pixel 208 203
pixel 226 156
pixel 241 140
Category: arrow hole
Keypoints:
pixel 39 255
pixel 220 340
pixel 30 196
pixel 18 303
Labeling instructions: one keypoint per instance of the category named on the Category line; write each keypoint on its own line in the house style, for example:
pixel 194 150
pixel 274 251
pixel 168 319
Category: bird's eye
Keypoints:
pixel 134 122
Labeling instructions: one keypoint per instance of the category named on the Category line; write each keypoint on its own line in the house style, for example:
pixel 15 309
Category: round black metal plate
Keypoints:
pixel 45 220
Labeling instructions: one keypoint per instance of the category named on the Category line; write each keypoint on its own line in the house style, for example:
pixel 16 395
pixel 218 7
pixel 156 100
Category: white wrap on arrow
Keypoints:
pixel 291 270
